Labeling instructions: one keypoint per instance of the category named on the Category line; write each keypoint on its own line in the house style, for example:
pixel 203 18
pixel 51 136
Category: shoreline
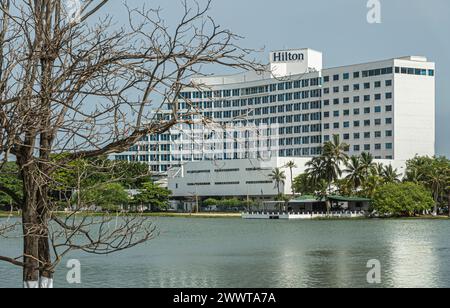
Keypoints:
pixel 162 214
pixel 231 215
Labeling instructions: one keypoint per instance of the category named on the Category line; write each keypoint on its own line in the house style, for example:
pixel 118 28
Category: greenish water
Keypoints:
pixel 227 253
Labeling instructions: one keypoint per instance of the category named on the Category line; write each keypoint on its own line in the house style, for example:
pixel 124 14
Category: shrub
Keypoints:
pixel 402 199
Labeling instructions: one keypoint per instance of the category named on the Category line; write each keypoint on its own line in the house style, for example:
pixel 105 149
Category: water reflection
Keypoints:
pixel 263 254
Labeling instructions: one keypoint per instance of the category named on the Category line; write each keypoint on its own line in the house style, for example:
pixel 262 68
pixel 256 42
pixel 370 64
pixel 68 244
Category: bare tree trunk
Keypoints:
pixel 45 272
pixel 30 233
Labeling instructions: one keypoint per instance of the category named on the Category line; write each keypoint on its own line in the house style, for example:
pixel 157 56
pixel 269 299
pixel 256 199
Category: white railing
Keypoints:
pixel 302 215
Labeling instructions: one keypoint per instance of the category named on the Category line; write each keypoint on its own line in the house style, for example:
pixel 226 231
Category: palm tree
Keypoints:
pixel 334 156
pixel 328 166
pixel 355 172
pixel 367 163
pixel 391 175
pixel 291 165
pixel 314 170
pixel 279 177
pixel 438 181
pixel 377 170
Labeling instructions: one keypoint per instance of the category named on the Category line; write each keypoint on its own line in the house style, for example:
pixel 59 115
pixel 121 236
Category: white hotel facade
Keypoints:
pixel 386 108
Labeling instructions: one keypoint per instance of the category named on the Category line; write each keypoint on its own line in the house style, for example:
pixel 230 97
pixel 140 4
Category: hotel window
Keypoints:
pixel 326 126
pixel 356 111
pixel 326 91
pixel 397 70
pixel 356 123
pixel 281 86
pixel 377 84
pixel 326 138
pixel 346 136
pixel 378 134
pixel 346 76
pixel 377 122
pixel 367 147
pixel 356 87
pixel 388 146
pixel 326 79
pixel 388 83
pixel 389 121
pixel 346 88
pixel 336 78
pixel 367 110
pixel 367 123
pixel 326 102
pixel 356 75
pixel 346 112
pixel 367 85
pixel 336 90
pixel 388 108
pixel 431 73
pixel 388 133
pixel 346 124
pixel 356 99
pixel 356 148
pixel 388 95
pixel 367 135
pixel 378 146
pixel 377 109
pixel 346 100
pixel 336 101
pixel 367 98
pixel 336 125
pixel 356 136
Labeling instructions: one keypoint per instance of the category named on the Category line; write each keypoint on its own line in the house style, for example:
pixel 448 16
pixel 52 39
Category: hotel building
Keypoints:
pixel 386 108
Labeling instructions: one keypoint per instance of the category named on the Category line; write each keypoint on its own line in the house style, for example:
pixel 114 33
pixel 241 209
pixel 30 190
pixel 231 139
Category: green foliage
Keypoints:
pixel 304 185
pixel 402 199
pixel 109 196
pixel 227 204
pixel 85 173
pixel 433 173
pixel 327 167
pixel 211 202
pixel 10 178
pixel 279 177
pixel 154 196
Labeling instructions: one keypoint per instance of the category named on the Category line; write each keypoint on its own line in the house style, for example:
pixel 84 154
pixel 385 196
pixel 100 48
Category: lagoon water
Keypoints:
pixel 231 253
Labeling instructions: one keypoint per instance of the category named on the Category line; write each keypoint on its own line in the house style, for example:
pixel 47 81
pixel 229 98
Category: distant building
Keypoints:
pixel 245 178
pixel 386 108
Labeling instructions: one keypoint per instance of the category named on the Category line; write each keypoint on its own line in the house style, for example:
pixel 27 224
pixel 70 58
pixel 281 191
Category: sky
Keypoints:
pixel 339 29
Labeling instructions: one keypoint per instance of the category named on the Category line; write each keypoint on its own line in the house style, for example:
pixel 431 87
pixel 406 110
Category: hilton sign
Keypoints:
pixel 287 56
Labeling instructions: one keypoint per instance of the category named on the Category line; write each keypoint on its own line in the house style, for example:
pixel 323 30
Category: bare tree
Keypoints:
pixel 79 88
